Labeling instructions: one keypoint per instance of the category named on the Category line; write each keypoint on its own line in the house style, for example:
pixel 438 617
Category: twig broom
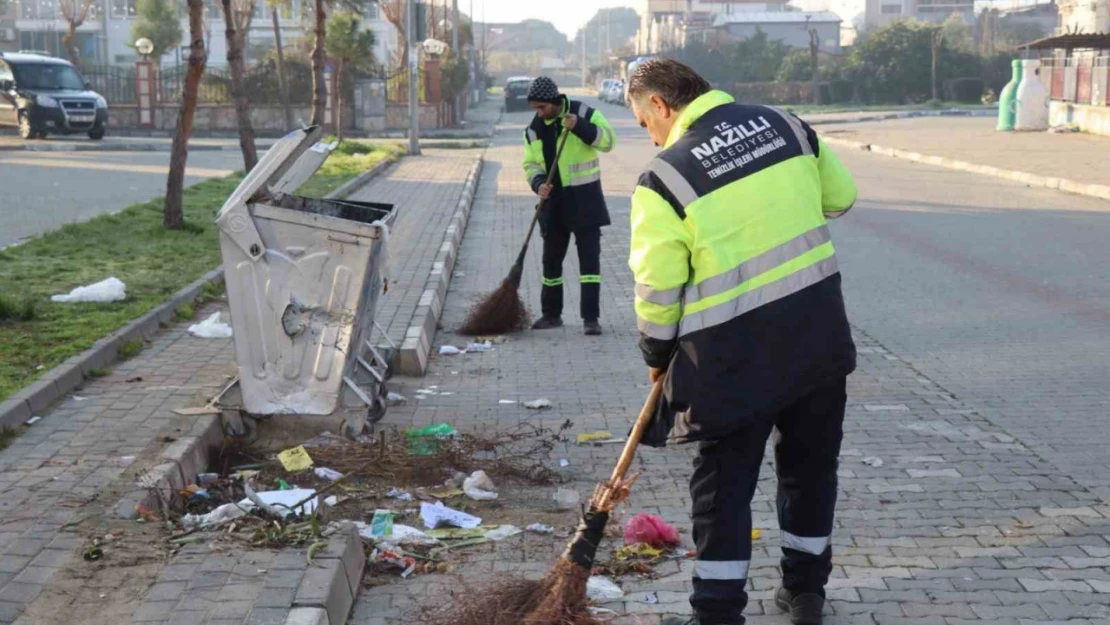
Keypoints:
pixel 560 597
pixel 502 310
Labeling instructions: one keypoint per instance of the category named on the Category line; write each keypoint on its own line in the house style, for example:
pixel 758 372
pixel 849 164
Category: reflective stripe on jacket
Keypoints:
pixel 731 253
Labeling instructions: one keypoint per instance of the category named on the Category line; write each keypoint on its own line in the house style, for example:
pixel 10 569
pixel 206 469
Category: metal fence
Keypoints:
pixel 1079 79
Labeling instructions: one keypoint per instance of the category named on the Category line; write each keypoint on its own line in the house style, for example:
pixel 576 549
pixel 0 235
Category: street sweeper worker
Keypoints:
pixel 740 311
pixel 575 203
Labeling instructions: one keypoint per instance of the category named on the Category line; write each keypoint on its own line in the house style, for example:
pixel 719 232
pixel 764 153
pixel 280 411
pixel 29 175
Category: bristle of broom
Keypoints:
pixel 557 599
pixel 499 312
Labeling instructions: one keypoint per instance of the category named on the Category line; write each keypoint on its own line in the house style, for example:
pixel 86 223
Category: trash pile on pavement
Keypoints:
pixel 416 496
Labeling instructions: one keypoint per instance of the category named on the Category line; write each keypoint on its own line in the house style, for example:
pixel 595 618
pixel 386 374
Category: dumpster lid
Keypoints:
pixel 282 169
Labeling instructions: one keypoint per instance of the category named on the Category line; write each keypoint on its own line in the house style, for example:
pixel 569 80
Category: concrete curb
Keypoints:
pixel 1097 191
pixel 417 345
pixel 119 147
pixel 328 590
pixel 879 117
pixel 70 374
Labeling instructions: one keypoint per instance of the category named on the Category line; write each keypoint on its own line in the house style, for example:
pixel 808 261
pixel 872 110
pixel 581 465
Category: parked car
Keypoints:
pixel 43 95
pixel 603 89
pixel 616 93
pixel 516 93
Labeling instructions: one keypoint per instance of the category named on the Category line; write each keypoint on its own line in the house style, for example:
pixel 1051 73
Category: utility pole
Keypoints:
pixel 583 57
pixel 455 27
pixel 414 78
pixel 470 56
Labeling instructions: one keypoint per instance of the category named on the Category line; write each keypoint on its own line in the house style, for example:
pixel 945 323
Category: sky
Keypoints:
pixel 567 15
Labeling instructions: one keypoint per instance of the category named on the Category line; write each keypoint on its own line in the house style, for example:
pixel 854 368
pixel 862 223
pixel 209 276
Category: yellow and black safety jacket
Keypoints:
pixel 737 284
pixel 577 198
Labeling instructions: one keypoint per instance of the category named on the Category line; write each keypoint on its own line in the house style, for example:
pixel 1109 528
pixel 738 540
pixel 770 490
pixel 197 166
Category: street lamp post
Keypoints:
pixel 414 69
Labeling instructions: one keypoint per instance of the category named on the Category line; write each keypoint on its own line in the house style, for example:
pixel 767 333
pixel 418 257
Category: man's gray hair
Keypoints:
pixel 677 84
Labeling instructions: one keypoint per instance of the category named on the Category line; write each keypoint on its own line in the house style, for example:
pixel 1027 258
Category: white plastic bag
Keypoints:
pixel 110 290
pixel 479 487
pixel 602 589
pixel 211 328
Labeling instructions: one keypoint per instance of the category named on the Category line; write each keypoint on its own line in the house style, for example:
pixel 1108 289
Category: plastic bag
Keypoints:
pixel 110 290
pixel 649 529
pixel 425 441
pixel 479 487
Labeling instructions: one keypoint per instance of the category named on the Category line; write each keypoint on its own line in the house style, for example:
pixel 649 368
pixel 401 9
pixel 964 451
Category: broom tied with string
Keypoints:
pixel 559 598
pixel 502 310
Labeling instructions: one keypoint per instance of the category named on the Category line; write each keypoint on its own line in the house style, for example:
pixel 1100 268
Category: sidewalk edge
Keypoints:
pixel 70 374
pixel 416 347
pixel 1097 191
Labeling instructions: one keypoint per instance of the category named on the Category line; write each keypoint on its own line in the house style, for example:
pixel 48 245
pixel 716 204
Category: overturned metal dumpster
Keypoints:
pixel 303 278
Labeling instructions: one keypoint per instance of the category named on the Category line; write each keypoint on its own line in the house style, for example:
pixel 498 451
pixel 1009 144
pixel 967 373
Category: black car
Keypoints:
pixel 516 94
pixel 42 95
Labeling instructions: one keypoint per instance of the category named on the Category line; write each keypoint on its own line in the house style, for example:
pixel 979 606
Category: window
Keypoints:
pixel 373 11
pixel 890 9
pixel 40 10
pixel 123 9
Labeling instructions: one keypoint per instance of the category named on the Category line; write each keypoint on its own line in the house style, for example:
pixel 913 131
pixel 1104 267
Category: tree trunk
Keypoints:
pixel 283 87
pixel 68 39
pixel 319 84
pixel 173 217
pixel 814 48
pixel 238 91
pixel 339 99
pixel 936 50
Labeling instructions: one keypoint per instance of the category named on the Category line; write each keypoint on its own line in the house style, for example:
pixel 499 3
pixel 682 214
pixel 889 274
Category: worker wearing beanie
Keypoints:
pixel 575 202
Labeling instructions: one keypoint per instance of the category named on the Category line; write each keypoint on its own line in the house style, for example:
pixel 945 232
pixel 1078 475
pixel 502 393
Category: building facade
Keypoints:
pixel 668 24
pixel 1084 16
pixel 790 27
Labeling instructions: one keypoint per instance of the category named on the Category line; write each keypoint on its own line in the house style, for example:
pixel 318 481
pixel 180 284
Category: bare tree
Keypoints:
pixel 937 43
pixel 319 57
pixel 173 216
pixel 394 12
pixel 75 12
pixel 237 18
pixel 814 48
pixel 283 86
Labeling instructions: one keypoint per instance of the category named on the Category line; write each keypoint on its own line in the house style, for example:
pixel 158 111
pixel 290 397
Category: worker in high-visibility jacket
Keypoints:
pixel 575 202
pixel 740 311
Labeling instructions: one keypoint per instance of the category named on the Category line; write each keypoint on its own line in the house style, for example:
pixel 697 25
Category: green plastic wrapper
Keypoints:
pixel 425 441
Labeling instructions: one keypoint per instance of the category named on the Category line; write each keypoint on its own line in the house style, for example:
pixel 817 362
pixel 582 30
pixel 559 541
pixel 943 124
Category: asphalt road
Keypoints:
pixel 45 190
pixel 996 290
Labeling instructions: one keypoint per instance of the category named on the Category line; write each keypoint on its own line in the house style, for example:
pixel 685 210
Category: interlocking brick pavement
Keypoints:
pixel 961 523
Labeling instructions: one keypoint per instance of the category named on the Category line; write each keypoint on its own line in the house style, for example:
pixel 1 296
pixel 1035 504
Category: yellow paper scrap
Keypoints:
pixel 295 459
pixel 587 437
pixel 445 493
pixel 755 534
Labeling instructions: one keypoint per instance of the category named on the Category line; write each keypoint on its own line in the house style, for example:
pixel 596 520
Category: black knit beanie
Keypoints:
pixel 543 89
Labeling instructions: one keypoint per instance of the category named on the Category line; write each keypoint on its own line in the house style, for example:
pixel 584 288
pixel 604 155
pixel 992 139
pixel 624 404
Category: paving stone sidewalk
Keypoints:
pixel 960 523
pixel 1078 156
pixel 59 470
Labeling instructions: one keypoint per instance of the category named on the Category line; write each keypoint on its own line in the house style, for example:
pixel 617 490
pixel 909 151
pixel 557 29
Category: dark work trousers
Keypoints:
pixel 556 240
pixel 807 435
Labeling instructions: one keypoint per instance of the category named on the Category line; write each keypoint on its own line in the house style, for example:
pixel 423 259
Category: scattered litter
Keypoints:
pixel 425 441
pixel 435 515
pixel 651 598
pixel 564 463
pixel 538 404
pixel 284 501
pixel 405 535
pixel 589 437
pixel 565 498
pixel 650 529
pixel 125 461
pixel 425 391
pixel 79 398
pixel 507 401
pixel 457 480
pixel 444 492
pixel 396 493
pixel 405 563
pixel 211 328
pixel 503 532
pixel 325 473
pixel 873 461
pixel 331 501
pixel 450 350
pixel 295 459
pixel 477 348
pixel 602 589
pixel 457 533
pixel 283 485
pixel 595 611
pixel 479 487
pixel 756 534
pixel 496 339
pixel 40 367
pixel 32 420
pixel 1066 128
pixel 395 399
pixel 110 290
pixel 446 394
pixel 540 528
pixel 225 512
pixel 197 411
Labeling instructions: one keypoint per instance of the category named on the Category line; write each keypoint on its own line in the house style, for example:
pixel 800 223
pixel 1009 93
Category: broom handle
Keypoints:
pixel 539 206
pixel 634 438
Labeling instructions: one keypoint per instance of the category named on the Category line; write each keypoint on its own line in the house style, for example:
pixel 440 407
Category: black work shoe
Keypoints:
pixel 547 323
pixel 804 608
pixel 592 328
